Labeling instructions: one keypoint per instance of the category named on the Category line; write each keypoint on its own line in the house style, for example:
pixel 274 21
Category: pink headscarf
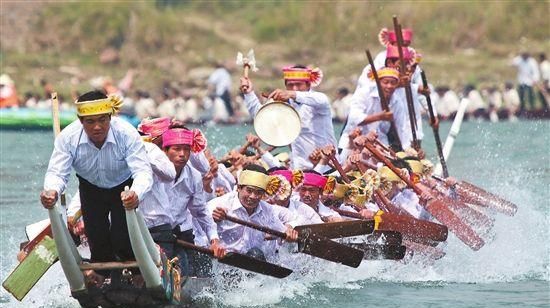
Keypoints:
pixel 194 138
pixel 286 173
pixel 154 127
pixel 393 52
pixel 407 35
pixel 313 179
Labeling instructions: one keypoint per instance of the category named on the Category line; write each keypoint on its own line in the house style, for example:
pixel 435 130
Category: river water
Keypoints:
pixel 511 270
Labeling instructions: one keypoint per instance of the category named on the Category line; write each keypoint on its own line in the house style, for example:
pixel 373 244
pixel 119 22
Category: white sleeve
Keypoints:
pixel 252 103
pixel 161 165
pixel 59 167
pixel 270 160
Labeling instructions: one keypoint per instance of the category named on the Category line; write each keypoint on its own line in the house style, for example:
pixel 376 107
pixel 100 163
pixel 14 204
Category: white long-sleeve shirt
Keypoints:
pixel 317 130
pixel 408 200
pixel 122 156
pixel 235 237
pixel 528 71
pixel 188 198
pixel 155 206
pixel 366 101
pixel 304 214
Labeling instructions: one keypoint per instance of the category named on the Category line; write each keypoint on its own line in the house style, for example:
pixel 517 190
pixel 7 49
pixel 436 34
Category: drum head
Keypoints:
pixel 277 124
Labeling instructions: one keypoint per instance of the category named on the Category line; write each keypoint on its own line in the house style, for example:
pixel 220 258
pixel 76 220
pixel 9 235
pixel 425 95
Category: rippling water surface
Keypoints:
pixel 513 269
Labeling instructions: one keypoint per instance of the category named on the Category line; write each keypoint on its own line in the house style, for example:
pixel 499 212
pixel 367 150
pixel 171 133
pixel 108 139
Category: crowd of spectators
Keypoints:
pixel 214 103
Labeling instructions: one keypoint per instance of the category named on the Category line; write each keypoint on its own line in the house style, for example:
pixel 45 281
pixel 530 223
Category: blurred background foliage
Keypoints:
pixel 168 40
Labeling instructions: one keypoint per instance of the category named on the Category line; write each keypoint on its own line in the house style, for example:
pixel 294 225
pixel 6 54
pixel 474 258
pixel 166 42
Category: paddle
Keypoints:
pixel 337 229
pixel 380 252
pixel 31 269
pixel 316 246
pixel 436 207
pixel 408 225
pixel 478 218
pixel 453 133
pixel 47 231
pixel 435 129
pixel 470 193
pixel 243 261
pixel 392 133
pixel 408 91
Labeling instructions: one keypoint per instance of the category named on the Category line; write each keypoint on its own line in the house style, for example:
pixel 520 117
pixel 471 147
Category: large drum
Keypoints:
pixel 277 124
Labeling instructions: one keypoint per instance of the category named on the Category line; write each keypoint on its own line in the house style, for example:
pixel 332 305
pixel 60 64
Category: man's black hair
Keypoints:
pixel 312 171
pixel 91 96
pixel 271 170
pixel 177 125
pixel 254 167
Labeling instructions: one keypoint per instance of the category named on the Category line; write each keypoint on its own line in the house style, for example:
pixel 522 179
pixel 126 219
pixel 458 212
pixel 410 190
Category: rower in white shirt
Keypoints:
pixel 313 107
pixel 301 213
pixel 246 204
pixel 366 111
pixel 155 207
pixel 107 154
pixel 310 193
pixel 187 197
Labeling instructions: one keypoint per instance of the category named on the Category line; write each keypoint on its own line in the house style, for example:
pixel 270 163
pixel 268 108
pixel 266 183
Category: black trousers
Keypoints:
pixel 108 239
pixel 226 98
pixel 162 235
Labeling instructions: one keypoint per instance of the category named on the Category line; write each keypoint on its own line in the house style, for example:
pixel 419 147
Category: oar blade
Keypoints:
pixel 385 238
pixel 413 227
pixel 254 265
pixel 337 229
pixel 31 269
pixel 326 249
pixel 464 232
pixel 381 252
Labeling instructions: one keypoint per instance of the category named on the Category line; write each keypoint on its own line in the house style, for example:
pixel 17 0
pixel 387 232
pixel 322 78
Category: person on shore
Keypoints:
pixel 528 75
pixel 312 106
pixel 544 66
pixel 219 85
pixel 107 154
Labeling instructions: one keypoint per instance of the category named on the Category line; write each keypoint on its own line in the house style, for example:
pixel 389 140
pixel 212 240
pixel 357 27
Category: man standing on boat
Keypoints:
pixel 312 106
pixel 107 154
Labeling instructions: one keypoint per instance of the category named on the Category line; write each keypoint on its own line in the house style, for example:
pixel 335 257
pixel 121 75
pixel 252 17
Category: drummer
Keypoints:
pixel 312 106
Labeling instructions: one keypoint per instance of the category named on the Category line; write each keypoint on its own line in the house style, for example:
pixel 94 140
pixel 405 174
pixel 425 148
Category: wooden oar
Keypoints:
pixel 385 237
pixel 316 246
pixel 408 91
pixel 406 225
pixel 453 133
pixel 434 253
pixel 381 252
pixel 437 208
pixel 31 269
pixel 243 261
pixel 337 229
pixel 470 193
pixel 434 128
pixel 463 210
pixel 47 231
pixel 479 218
pixel 392 133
